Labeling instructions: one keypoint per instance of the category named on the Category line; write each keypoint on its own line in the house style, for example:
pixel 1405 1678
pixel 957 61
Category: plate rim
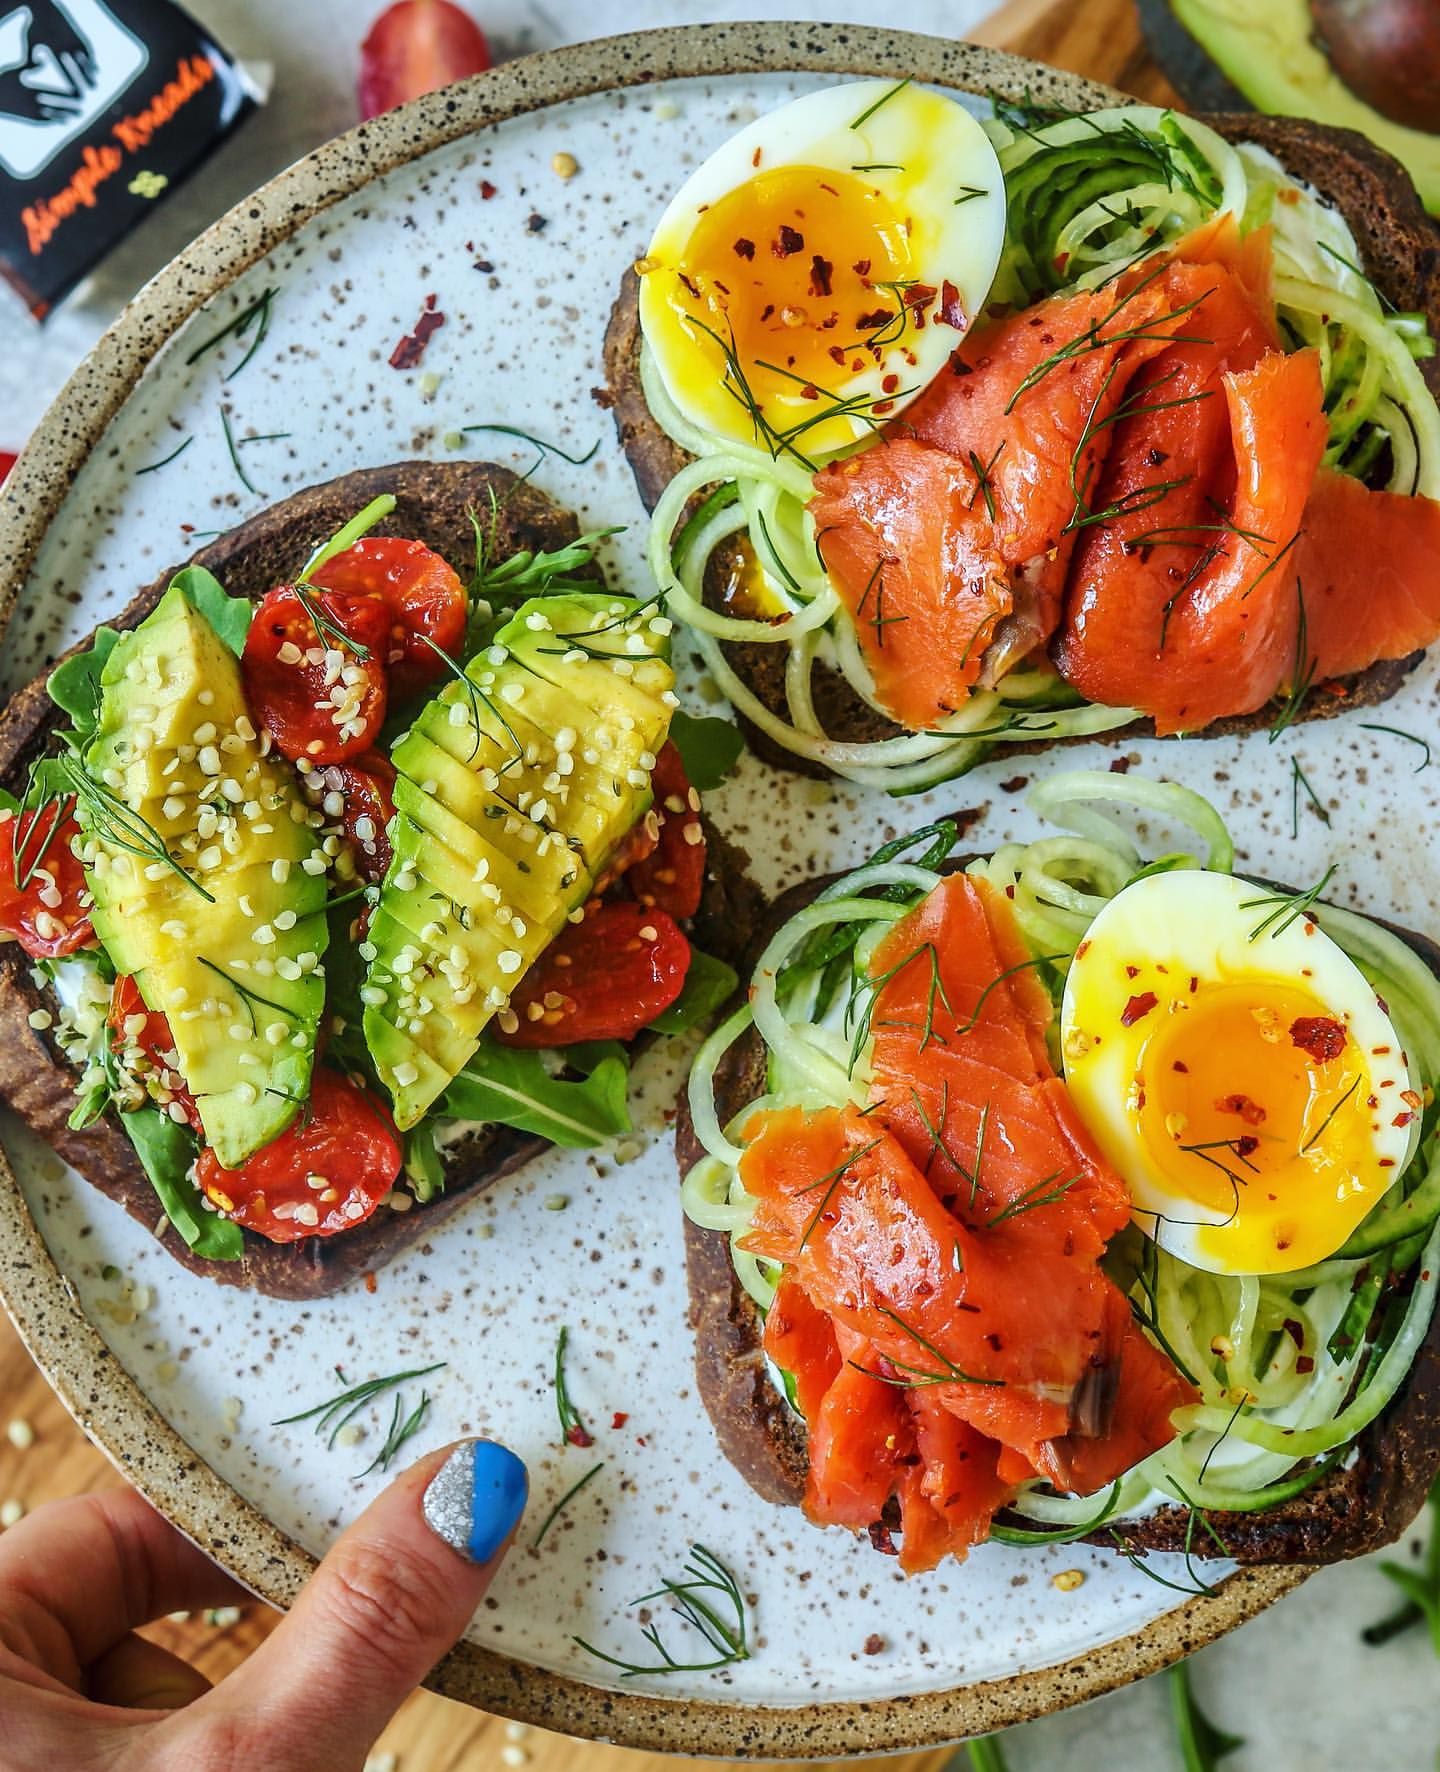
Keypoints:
pixel 105 1400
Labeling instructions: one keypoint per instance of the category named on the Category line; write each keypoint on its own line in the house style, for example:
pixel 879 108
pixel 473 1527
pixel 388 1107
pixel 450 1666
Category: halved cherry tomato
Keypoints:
pixel 426 601
pixel 673 877
pixel 366 788
pixel 417 46
pixel 41 882
pixel 148 1031
pixel 327 1171
pixel 286 685
pixel 602 979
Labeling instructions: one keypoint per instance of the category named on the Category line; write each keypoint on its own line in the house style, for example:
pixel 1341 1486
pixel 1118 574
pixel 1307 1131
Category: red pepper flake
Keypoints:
pixel 744 248
pixel 1132 972
pixel 1083 949
pixel 487 190
pixel 1319 1036
pixel 809 391
pixel 1249 1111
pixel 873 322
pixel 411 348
pixel 1120 766
pixel 370 1282
pixel 755 158
pixel 821 271
pixel 881 1538
pixel 1295 1330
pixel 882 406
pixel 619 1418
pixel 1181 1066
pixel 1387 1162
pixel 1246 1145
pixel 919 295
pixel 952 311
pixel 1138 1008
pixel 1403 1119
pixel 861 267
pixel 1014 784
pixel 890 383
pixel 791 240
pixel 874 1644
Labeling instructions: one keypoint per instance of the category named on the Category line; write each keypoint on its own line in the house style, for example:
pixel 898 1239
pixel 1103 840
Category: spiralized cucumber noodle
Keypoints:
pixel 1267 1424
pixel 1087 196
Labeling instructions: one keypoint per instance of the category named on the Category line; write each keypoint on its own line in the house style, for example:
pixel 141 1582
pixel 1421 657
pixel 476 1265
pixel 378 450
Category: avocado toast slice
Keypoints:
pixel 433 503
pixel 1352 1499
pixel 1395 241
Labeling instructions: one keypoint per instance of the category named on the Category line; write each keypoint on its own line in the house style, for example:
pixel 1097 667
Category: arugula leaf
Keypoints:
pixel 709 748
pixel 229 616
pixel 74 686
pixel 166 1151
pixel 513 1088
pixel 1421 1588
pixel 1202 1744
pixel 424 1167
pixel 707 984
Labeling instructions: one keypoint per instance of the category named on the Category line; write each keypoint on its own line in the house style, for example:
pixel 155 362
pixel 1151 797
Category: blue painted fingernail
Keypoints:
pixel 475 1498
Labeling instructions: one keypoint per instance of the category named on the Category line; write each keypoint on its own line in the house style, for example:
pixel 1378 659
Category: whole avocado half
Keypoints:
pixel 1222 53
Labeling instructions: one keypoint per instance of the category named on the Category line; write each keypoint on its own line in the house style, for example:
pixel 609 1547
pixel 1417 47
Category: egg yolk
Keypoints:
pixel 1255 1105
pixel 793 266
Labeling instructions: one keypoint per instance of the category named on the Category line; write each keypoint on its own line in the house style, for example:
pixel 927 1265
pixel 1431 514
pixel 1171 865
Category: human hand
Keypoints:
pixel 79 1691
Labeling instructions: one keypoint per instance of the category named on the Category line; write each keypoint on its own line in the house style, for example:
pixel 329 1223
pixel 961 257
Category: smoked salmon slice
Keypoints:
pixel 800 1339
pixel 1224 637
pixel 1368 566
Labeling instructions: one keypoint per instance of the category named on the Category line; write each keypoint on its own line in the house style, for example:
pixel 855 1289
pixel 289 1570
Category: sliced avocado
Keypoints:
pixel 1270 55
pixel 515 789
pixel 195 844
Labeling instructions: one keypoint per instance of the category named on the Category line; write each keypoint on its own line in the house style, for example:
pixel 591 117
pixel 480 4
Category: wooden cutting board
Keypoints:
pixel 1096 37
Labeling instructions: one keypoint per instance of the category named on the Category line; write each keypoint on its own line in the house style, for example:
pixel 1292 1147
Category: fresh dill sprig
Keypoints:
pixel 702 1577
pixel 165 460
pixel 1302 670
pixel 325 626
pixel 1039 1193
pixel 884 99
pixel 1203 1744
pixel 1409 737
pixel 24 858
pixel 248 997
pixel 1324 1125
pixel 1350 265
pixel 259 309
pixel 984 485
pixel 402 1427
pixel 871 987
pixel 920 1376
pixel 968 194
pixel 120 826
pixel 573 1431
pixel 235 462
pixel 832 1178
pixel 878 166
pixel 1285 907
pixel 337 1412
pixel 564 1502
pixel 577 461
pixel 1299 781
pixel 1139 1563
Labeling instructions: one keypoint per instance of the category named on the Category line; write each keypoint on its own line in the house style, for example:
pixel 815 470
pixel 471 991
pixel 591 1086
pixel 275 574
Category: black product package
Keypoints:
pixel 105 105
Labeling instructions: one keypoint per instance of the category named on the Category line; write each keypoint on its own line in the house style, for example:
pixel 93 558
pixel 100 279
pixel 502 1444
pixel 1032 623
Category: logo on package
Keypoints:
pixel 62 62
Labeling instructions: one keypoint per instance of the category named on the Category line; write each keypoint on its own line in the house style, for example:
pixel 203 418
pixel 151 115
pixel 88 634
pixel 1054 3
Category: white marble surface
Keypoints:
pixel 1297 1683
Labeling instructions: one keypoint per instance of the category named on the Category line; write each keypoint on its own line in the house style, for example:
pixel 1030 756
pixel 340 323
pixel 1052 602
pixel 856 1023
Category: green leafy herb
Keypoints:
pixel 118 825
pixel 709 748
pixel 708 983
pixel 1299 781
pixel 1409 737
pixel 1420 1586
pixel 230 445
pixel 229 616
pixel 509 1087
pixel 74 686
pixel 564 1502
pixel 1324 1125
pixel 167 1151
pixel 402 1428
pixel 1045 1192
pixel 1302 670
pixel 949 1372
pixel 968 194
pixel 248 997
pixel 705 1594
pixel 573 1431
pixel 337 1412
pixel 1202 1744
pixel 1283 907
pixel 830 1180
pixel 539 443
pixel 165 460
pixel 257 311
pixel 360 525
pixel 985 1754
pixel 884 99
pixel 983 482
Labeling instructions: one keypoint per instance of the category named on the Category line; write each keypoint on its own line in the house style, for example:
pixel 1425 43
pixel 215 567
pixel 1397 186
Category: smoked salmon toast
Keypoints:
pixel 949 1283
pixel 1143 487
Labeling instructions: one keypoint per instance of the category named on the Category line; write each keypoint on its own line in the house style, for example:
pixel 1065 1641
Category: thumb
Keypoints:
pixel 392 1596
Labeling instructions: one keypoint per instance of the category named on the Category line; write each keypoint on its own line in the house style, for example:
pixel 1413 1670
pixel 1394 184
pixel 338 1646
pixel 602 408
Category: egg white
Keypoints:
pixel 948 186
pixel 1200 926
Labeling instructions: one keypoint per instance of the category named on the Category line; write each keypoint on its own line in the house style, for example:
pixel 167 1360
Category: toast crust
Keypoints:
pixel 1356 1508
pixel 37 1081
pixel 1400 251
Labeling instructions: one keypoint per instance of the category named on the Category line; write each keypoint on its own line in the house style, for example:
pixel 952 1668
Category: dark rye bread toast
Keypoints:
pixel 36 1079
pixel 1361 1505
pixel 1400 252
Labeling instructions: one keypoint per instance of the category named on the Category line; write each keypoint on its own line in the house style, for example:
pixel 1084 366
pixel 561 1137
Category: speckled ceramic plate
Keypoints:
pixel 848 1656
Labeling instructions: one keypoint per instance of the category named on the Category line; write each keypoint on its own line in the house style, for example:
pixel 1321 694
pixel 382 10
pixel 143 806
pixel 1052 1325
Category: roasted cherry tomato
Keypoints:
pixel 426 601
pixel 328 1170
pixel 311 705
pixel 41 882
pixel 673 876
pixel 365 786
pixel 146 1032
pixel 603 979
pixel 417 46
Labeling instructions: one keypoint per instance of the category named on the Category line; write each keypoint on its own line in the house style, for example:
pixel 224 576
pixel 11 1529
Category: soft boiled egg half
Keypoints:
pixel 1246 1082
pixel 818 270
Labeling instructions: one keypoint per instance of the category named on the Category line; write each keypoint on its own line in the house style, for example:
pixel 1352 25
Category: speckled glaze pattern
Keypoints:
pixel 185 1395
